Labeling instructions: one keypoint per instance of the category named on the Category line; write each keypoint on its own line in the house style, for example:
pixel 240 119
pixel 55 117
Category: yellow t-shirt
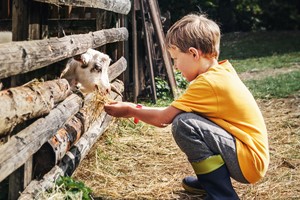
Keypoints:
pixel 221 96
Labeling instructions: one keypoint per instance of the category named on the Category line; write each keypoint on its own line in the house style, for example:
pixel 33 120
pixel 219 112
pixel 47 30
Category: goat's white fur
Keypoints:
pixel 90 71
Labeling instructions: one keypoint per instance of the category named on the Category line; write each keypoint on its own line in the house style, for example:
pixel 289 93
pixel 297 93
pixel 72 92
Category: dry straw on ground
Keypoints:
pixel 142 162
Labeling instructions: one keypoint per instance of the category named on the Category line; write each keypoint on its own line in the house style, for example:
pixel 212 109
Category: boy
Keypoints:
pixel 216 122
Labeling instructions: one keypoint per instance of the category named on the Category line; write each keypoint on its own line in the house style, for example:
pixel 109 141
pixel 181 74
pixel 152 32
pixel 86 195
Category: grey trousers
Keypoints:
pixel 199 138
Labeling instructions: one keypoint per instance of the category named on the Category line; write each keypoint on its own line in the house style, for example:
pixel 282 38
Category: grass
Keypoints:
pixel 261 63
pixel 265 52
pixel 261 50
pixel 259 44
pixel 280 86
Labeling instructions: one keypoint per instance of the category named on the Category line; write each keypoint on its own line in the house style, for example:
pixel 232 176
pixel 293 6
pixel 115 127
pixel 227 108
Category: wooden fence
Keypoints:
pixel 45 128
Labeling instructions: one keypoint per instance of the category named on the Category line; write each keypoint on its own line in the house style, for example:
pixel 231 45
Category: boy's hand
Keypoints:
pixel 119 109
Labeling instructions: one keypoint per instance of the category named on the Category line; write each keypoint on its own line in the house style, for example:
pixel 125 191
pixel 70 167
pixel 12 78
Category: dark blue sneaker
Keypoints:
pixel 192 185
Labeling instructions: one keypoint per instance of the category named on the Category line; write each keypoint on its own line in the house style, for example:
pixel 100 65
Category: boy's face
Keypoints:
pixel 185 63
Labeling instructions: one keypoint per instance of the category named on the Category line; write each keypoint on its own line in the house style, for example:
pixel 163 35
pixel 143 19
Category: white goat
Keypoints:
pixel 89 71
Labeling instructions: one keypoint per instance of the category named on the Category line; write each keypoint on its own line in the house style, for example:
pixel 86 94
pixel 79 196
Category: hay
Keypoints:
pixel 142 162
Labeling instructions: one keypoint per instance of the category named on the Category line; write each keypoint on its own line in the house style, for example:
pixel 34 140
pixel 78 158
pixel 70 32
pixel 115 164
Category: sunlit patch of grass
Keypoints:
pixel 260 63
pixel 279 86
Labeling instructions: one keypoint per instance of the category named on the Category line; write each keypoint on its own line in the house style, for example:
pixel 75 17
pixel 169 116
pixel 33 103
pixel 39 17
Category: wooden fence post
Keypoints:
pixel 135 52
pixel 154 11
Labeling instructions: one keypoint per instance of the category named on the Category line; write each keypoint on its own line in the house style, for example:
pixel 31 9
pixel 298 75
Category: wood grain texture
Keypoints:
pixel 25 56
pixel 117 6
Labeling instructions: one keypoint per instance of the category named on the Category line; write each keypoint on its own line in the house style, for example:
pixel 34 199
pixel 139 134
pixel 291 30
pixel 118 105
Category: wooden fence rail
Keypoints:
pixel 72 130
pixel 72 158
pixel 21 57
pixel 118 6
pixel 20 147
pixel 33 100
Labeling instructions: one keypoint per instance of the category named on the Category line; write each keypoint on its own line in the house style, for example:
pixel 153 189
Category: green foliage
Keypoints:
pixel 280 86
pixel 247 13
pixel 240 15
pixel 180 80
pixel 66 188
pixel 163 90
pixel 70 187
pixel 280 14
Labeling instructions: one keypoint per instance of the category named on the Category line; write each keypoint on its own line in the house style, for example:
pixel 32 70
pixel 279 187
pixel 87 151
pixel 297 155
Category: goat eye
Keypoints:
pixel 96 68
pixel 83 66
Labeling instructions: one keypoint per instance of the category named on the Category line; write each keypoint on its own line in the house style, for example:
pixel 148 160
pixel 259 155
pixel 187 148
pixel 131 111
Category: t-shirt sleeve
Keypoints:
pixel 199 97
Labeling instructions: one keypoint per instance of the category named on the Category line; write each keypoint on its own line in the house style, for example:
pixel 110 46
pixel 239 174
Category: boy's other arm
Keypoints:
pixel 159 117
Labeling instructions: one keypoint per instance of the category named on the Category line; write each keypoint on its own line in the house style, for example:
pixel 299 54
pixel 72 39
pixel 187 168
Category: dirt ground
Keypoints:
pixel 144 162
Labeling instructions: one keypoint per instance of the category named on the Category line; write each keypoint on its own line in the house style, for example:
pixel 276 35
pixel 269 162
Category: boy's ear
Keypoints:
pixel 195 52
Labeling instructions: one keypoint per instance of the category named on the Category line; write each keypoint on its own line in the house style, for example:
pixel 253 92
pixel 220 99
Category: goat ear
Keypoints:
pixel 106 59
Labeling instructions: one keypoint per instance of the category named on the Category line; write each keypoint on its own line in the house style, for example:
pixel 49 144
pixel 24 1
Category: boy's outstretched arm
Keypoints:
pixel 159 117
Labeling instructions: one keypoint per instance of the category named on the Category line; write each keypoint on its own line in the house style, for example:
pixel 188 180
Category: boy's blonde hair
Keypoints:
pixel 195 30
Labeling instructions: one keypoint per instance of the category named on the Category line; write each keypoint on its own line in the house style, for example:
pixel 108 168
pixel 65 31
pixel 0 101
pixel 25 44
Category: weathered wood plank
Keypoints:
pixel 149 45
pixel 135 49
pixel 21 57
pixel 20 32
pixel 20 147
pixel 155 14
pixel 71 132
pixel 80 150
pixel 118 6
pixel 30 101
pixel 15 183
pixel 35 138
pixel 117 68
pixel 19 22
pixel 70 26
pixel 72 158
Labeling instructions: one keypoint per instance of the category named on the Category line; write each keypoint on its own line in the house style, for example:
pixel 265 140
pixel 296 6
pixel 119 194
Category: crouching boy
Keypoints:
pixel 216 122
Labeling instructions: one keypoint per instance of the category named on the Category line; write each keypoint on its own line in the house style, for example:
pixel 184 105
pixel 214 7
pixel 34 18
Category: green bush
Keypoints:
pixel 180 80
pixel 66 188
pixel 163 90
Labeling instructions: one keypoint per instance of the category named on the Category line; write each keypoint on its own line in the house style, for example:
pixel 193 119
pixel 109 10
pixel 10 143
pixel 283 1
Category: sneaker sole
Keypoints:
pixel 193 190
